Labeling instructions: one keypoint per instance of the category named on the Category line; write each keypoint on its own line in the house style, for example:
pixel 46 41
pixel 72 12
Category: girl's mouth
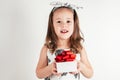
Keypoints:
pixel 64 31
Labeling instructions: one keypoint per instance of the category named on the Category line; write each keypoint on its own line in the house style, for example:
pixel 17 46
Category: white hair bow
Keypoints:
pixel 60 4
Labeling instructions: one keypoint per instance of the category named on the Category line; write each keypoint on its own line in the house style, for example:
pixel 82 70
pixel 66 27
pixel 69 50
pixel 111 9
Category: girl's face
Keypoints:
pixel 63 22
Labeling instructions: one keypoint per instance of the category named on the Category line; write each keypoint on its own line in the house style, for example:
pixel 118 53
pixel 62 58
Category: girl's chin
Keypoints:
pixel 64 38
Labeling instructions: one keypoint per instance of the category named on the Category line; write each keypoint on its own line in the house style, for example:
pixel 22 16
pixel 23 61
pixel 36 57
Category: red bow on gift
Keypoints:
pixel 65 56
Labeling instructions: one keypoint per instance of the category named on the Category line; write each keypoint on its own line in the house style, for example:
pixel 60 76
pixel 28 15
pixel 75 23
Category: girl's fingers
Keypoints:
pixel 54 69
pixel 78 67
pixel 57 74
pixel 73 72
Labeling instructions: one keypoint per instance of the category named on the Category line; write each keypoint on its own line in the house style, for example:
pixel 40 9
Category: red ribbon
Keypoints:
pixel 65 56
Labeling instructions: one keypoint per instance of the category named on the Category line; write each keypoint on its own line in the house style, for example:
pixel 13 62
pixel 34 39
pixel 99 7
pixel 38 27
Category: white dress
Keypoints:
pixel 64 76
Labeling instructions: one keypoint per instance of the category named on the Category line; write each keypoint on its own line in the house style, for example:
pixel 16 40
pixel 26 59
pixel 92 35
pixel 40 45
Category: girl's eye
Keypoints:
pixel 68 21
pixel 58 21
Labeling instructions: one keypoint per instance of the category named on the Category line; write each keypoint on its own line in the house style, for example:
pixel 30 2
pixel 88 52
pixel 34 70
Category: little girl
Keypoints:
pixel 63 33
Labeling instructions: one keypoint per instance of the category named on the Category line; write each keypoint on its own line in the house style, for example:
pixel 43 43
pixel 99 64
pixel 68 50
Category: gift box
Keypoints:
pixel 66 66
pixel 65 61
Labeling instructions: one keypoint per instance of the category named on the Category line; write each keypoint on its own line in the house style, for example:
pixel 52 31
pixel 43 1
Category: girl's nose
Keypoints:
pixel 64 24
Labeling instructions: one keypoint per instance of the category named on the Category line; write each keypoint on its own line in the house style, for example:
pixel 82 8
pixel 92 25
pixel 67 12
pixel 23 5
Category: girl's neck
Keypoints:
pixel 63 44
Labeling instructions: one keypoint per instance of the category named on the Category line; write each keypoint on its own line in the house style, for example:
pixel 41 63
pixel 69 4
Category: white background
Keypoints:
pixel 23 25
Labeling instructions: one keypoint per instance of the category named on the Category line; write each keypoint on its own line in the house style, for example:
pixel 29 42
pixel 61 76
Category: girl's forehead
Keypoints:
pixel 63 12
pixel 60 10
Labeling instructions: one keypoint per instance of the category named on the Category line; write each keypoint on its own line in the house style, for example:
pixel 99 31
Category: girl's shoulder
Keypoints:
pixel 44 49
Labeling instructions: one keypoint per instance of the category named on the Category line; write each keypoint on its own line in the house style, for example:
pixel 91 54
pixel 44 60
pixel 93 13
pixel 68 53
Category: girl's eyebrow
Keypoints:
pixel 57 18
pixel 61 18
pixel 69 18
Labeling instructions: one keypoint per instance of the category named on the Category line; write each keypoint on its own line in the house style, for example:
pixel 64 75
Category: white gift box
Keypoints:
pixel 70 66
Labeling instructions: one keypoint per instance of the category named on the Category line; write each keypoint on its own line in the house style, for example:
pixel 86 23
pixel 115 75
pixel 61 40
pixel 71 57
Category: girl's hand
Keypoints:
pixel 79 66
pixel 54 69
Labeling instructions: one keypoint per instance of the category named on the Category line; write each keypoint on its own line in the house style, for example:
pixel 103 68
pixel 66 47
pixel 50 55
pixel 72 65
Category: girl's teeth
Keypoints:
pixel 64 31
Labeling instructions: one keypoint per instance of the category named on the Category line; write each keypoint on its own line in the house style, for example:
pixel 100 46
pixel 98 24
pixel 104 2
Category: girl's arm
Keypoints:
pixel 44 70
pixel 84 65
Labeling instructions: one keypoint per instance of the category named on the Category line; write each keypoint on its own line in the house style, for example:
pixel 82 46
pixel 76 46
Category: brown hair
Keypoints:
pixel 75 39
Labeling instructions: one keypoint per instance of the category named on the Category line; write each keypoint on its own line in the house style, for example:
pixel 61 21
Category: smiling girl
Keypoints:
pixel 63 33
